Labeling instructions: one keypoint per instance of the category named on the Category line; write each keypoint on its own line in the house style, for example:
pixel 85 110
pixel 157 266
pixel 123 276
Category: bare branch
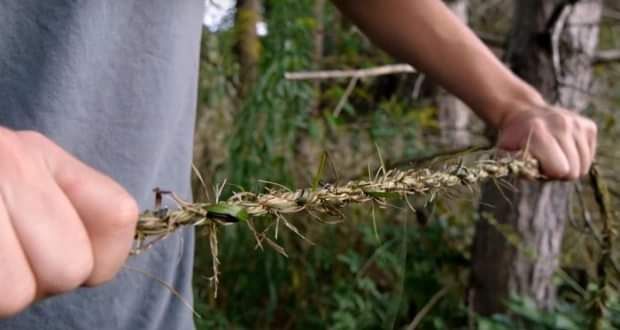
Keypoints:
pixel 342 74
pixel 607 56
pixel 611 13
pixel 427 308
pixel 345 96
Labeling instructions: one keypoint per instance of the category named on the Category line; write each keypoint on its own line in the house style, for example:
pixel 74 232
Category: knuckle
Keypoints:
pixel 20 163
pixel 36 141
pixel 31 136
pixel 585 124
pixel 563 122
pixel 68 275
pixel 538 127
pixel 538 124
pixel 592 127
pixel 9 144
pixel 7 135
pixel 580 126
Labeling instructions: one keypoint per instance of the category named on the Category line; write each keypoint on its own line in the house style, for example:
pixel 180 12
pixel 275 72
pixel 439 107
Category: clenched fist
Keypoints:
pixel 563 142
pixel 62 224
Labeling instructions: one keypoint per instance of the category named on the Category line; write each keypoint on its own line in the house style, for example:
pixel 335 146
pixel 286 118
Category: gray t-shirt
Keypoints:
pixel 114 83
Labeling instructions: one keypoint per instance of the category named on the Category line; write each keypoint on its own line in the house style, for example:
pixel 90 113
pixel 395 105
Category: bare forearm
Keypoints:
pixel 426 34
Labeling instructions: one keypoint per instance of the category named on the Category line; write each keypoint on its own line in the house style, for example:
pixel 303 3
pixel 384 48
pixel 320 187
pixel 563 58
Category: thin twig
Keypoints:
pixel 345 96
pixel 427 308
pixel 174 291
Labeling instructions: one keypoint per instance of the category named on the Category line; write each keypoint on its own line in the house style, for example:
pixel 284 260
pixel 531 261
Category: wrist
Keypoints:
pixel 521 98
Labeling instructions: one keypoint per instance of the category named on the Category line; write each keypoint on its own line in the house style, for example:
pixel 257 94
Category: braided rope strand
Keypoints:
pixel 154 225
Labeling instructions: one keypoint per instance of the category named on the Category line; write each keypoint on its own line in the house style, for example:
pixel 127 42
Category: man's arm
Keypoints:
pixel 426 34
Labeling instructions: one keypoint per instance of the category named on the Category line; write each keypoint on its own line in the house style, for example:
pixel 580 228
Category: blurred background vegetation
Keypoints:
pixel 255 125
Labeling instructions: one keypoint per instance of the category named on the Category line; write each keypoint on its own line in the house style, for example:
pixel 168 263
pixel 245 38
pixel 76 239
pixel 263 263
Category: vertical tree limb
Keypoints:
pixel 247 43
pixel 535 211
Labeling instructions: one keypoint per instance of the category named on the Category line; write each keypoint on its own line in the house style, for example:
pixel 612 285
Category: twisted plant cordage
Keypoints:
pixel 327 200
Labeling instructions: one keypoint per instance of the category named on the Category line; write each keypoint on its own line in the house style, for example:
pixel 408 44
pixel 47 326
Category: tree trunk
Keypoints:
pixel 247 44
pixel 551 47
pixel 453 114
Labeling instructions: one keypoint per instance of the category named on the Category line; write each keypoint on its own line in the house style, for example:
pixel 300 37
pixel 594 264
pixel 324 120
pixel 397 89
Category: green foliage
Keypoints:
pixel 270 119
pixel 228 212
pixel 528 316
pixel 565 316
pixel 375 285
